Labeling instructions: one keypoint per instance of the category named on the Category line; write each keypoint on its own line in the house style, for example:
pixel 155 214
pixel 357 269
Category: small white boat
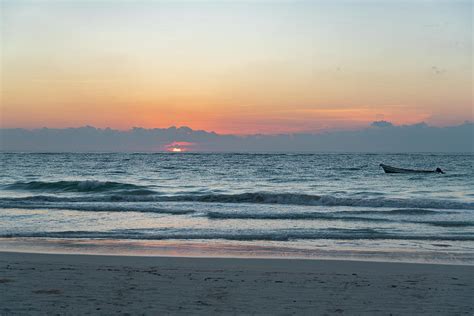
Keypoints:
pixel 390 169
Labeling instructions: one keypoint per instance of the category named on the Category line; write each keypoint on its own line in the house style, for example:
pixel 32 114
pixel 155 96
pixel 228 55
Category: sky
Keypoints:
pixel 235 67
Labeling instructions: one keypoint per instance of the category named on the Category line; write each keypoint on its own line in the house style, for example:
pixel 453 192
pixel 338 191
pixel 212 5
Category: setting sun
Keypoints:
pixel 178 147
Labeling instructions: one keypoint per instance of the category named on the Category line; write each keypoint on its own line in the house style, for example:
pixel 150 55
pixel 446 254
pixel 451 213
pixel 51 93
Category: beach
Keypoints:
pixel 69 284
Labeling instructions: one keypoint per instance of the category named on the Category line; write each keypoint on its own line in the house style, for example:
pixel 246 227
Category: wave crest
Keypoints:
pixel 316 200
pixel 238 235
pixel 78 186
pixel 119 192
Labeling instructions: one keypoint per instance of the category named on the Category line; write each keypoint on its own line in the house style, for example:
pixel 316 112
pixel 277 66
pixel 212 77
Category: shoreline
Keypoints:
pixel 107 284
pixel 131 258
pixel 225 249
pixel 244 258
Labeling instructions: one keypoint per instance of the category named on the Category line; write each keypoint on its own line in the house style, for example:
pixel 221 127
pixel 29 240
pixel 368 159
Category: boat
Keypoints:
pixel 390 169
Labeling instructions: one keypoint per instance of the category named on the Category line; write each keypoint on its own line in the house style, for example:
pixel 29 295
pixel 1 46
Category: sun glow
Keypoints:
pixel 178 147
pixel 233 75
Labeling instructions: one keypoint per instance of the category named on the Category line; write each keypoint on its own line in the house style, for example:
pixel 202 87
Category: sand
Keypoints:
pixel 89 284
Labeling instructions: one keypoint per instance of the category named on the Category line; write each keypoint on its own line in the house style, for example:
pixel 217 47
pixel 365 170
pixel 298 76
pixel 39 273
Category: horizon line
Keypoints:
pixel 374 124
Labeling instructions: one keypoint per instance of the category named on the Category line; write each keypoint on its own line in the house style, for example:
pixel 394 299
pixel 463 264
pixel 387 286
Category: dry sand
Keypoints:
pixel 86 284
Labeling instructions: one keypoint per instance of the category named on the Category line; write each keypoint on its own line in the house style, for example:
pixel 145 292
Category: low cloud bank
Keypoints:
pixel 381 136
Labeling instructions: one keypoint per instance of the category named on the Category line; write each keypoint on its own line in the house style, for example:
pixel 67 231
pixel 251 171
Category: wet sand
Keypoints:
pixel 92 284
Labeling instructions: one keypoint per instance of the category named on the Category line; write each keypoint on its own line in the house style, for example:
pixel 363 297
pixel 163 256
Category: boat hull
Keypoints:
pixel 390 169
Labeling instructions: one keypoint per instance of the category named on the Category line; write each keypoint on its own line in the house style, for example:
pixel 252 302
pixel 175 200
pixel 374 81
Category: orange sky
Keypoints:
pixel 235 67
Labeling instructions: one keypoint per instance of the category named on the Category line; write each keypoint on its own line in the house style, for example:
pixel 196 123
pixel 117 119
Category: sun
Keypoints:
pixel 178 147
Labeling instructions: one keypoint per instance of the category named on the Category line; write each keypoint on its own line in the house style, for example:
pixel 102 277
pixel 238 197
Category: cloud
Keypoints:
pixel 380 136
pixel 381 124
pixel 437 70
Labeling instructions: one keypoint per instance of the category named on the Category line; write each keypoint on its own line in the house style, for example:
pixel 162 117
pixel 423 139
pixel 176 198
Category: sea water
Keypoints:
pixel 329 205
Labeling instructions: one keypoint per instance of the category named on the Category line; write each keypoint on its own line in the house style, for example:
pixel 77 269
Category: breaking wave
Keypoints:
pixel 78 186
pixel 409 206
pixel 100 207
pixel 449 223
pixel 292 216
pixel 250 235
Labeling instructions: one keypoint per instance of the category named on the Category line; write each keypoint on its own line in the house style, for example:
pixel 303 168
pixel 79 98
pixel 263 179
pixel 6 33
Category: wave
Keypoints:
pixel 257 198
pixel 98 207
pixel 316 200
pixel 347 168
pixel 250 235
pixel 382 216
pixel 78 186
pixel 291 216
pixel 449 223
pixel 405 206
pixel 402 211
pixel 343 216
pixel 308 200
pixel 408 211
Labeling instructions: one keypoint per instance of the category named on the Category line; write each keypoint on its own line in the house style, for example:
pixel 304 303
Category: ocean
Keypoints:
pixel 298 205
